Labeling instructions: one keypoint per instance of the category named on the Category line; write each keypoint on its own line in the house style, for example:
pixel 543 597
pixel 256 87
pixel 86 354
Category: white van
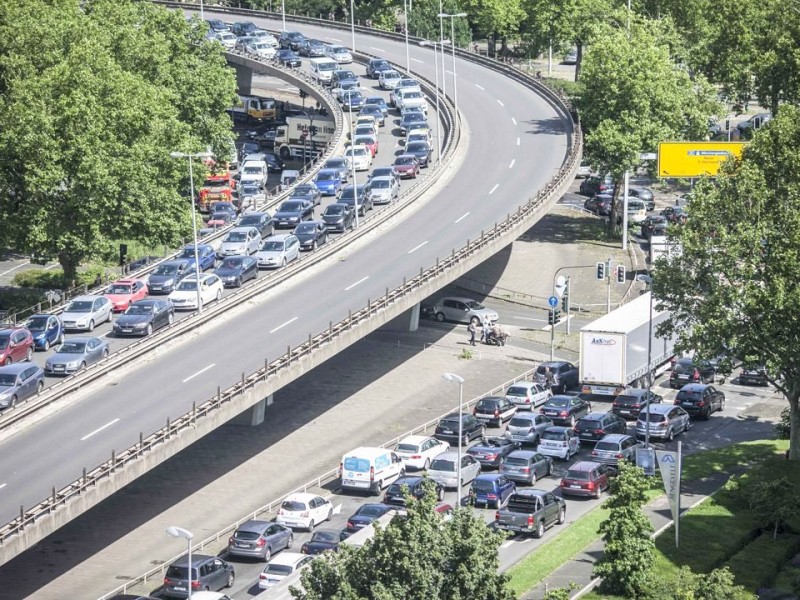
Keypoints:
pixel 322 69
pixel 369 469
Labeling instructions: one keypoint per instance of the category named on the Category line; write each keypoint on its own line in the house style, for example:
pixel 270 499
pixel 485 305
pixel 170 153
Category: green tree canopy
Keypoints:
pixel 736 284
pixel 416 557
pixel 93 97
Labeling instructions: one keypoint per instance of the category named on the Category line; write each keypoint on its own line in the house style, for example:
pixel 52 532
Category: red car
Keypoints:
pixel 370 141
pixel 124 292
pixel 406 166
pixel 16 344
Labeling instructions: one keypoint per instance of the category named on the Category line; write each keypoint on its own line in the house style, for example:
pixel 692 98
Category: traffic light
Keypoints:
pixel 565 302
pixel 553 316
pixel 123 254
pixel 601 271
pixel 303 94
pixel 620 273
pixel 727 124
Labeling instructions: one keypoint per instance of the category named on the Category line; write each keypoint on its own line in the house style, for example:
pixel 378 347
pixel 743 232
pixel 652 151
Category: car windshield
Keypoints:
pixel 249 190
pixel 7 379
pixel 120 289
pixel 325 536
pixel 79 306
pixel 236 236
pixel 390 74
pixel 520 422
pixel 187 284
pixel 252 170
pixel 335 163
pixel 404 160
pixel 139 309
pixel 272 247
pixel 482 486
pixel 304 190
pixel 366 140
pixel 407 447
pixel 556 436
pixel 36 323
pixel 220 216
pixel 627 400
pixel 578 475
pixel 327 176
pixel 306 228
pixel 690 396
pixel 353 151
pixel 165 270
pixel 293 505
pixel 187 253
pixel 557 403
pixel 4 342
pixel 417 147
pixel 609 446
pixel 71 348
pixel 231 263
pixel 441 464
pixel 517 391
pixel 334 210
pixel 379 184
pixel 370 510
pixel 291 206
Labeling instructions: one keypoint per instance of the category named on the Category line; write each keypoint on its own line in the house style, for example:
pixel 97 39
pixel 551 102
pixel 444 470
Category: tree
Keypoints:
pixel 646 98
pixel 628 552
pixel 716 585
pixel 735 287
pixel 416 557
pixel 495 18
pixel 774 502
pixel 423 21
pixel 93 97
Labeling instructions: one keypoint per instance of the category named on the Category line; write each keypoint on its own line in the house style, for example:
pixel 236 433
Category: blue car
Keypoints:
pixel 205 253
pixel 352 101
pixel 491 490
pixel 378 101
pixel 47 330
pixel 329 181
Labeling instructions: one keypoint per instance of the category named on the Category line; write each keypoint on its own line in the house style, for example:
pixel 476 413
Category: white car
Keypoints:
pixel 561 442
pixel 240 241
pixel 388 80
pixel 304 511
pixel 256 46
pixel 361 157
pixel 184 297
pixel 339 53
pixel 384 189
pixel 226 38
pixel 84 312
pixel 264 36
pixel 528 394
pixel 418 451
pixel 403 84
pixel 410 98
pixel 277 251
pixel 279 568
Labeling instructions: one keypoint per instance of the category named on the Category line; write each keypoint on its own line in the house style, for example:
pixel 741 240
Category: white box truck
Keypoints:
pixel 309 135
pixel 613 350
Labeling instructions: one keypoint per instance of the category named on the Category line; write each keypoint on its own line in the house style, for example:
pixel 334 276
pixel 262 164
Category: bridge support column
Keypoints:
pixel 254 415
pixel 244 79
pixel 413 318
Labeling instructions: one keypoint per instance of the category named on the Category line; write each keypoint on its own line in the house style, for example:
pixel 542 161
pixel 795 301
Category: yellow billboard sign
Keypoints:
pixel 695 159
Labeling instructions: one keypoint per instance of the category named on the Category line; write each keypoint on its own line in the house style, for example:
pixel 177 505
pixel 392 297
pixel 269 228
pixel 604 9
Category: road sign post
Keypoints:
pixel 553 302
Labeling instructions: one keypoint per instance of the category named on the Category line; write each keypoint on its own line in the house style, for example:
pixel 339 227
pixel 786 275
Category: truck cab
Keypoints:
pixel 218 186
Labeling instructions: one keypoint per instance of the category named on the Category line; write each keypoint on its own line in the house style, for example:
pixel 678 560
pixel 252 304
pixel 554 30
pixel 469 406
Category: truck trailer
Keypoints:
pixel 614 348
pixel 304 136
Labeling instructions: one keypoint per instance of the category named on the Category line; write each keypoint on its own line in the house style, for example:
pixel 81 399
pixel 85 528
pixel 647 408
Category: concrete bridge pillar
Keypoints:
pixel 254 415
pixel 244 79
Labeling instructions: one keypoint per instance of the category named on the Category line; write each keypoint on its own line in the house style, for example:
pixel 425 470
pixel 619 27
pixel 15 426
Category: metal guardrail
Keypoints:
pixel 140 347
pixel 267 511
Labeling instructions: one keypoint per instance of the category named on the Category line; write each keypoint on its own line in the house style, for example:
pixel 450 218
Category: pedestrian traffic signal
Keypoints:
pixel 601 271
pixel 620 273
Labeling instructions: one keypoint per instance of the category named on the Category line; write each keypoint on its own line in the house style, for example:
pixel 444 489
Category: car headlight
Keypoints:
pixel 292 219
pixel 74 363
pixel 140 326
pixel 231 278
pixel 169 282
pixel 5 395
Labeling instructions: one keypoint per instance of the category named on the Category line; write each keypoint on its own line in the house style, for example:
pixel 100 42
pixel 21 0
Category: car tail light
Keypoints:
pixel 416 456
pixel 195 584
pixel 530 520
pixel 341 469
pixel 636 406
pixel 263 576
pixel 491 496
pixel 525 469
pixel 167 581
pixel 588 486
pixel 598 431
pixel 620 455
pixel 497 516
pixel 563 413
pixel 677 401
pixel 261 542
pixel 594 452
pixel 372 474
pixel 696 375
pixel 491 456
pixel 527 400
pixel 350 525
pixel 496 412
pixel 230 540
pixel 615 403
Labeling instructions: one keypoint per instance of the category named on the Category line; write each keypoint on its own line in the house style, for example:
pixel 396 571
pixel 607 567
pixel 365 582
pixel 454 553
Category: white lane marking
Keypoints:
pixel 288 89
pixel 513 120
pixel 333 38
pixel 12 269
pixel 500 103
pixel 462 217
pixel 451 73
pixel 530 319
pixel 2 485
pixel 352 285
pixel 417 60
pixel 491 191
pixel 282 325
pixel 200 372
pixel 517 141
pixel 480 87
pixel 513 160
pixel 417 247
pixel 378 49
pixel 507 543
pixel 98 430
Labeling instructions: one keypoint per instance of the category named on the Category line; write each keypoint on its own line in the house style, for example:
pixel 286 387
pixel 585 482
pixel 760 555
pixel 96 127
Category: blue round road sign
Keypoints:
pixel 552 301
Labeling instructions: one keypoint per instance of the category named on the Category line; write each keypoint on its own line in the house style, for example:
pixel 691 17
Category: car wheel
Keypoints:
pixel 539 530
pixel 566 455
pixel 598 491
pixel 29 354
pixel 105 353
pixel 283 264
pixel 671 435
pixel 562 516
pixel 722 405
pixel 427 464
pixel 440 317
pixel 267 555
pixel 7 361
pixel 91 325
pixel 46 345
pixel 110 316
pixel 330 514
pixel 218 297
pixel 13 402
pixel 170 319
pixel 82 366
pixel 311 525
pixel 149 330
pixel 60 339
pixel 231 579
pixel 440 494
pixel 39 387
pixel 290 542
pixel 707 415
pixel 572 421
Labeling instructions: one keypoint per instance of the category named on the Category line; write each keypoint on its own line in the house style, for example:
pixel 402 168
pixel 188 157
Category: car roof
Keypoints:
pixel 657 409
pixel 489 476
pixel 91 297
pixel 558 428
pixel 459 298
pixel 522 454
pixel 694 387
pixel 584 465
pixel 142 302
pixel 85 338
pixel 531 492
pixel 529 416
pixel 254 526
pixel 197 559
pixel 130 280
pixel 278 237
pixel 300 497
pixel 409 480
pixel 449 455
pixel 554 363
pixel 414 439
pixel 640 392
pixel 594 416
pixel 15 368
pixel 528 384
pixel 243 229
pixel 614 437
pixel 288 559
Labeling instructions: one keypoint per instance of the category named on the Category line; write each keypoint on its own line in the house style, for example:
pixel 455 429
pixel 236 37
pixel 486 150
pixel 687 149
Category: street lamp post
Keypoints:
pixel 452 18
pixel 191 156
pixel 441 41
pixel 460 381
pixel 408 55
pixel 353 160
pixel 649 281
pixel 180 532
pixel 353 26
pixel 283 13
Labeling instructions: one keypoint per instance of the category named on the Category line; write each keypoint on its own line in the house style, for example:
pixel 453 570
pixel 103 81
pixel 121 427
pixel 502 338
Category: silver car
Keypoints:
pixel 277 250
pixel 240 241
pixel 84 312
pixel 666 421
pixel 526 466
pixel 384 190
pixel 528 394
pixel 462 310
pixel 259 539
pixel 19 381
pixel 443 469
pixel 615 447
pixel 75 354
pixel 526 428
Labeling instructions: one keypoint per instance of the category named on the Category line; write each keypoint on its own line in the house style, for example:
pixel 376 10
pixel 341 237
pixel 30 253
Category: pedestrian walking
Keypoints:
pixel 549 378
pixel 487 326
pixel 472 331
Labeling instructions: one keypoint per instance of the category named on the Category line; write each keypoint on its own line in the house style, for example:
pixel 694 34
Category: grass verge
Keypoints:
pixel 757 564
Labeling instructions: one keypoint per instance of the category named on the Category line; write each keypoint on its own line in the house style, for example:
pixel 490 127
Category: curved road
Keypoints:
pixel 516 142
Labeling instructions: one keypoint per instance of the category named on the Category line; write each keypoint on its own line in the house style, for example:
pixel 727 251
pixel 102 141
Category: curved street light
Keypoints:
pixel 180 532
pixel 460 381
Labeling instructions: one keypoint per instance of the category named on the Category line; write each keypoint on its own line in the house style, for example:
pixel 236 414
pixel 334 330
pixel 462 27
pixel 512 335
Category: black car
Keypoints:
pixel 260 220
pixel 143 317
pixel 288 58
pixel 217 25
pixel 700 400
pixel 633 401
pixel 384 172
pixel 274 162
pixel 348 196
pixel 447 428
pixel 491 451
pixel 565 375
pixel 292 212
pixel 341 76
pixel 243 28
pixel 322 540
pixel 595 425
pixel 411 121
pixel 235 270
pixel 338 217
pixel 654 225
pixel 307 191
pixel 753 375
pixel 687 370
pixel 494 410
pixel 166 276
pixel 422 150
pixel 248 148
pixel 593 185
pixel 311 234
pixel 291 40
pixel 565 410
pixel 365 515
pixel 416 487
pixel 376 65
pixel 311 48
pixel 643 194
pixel 599 205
